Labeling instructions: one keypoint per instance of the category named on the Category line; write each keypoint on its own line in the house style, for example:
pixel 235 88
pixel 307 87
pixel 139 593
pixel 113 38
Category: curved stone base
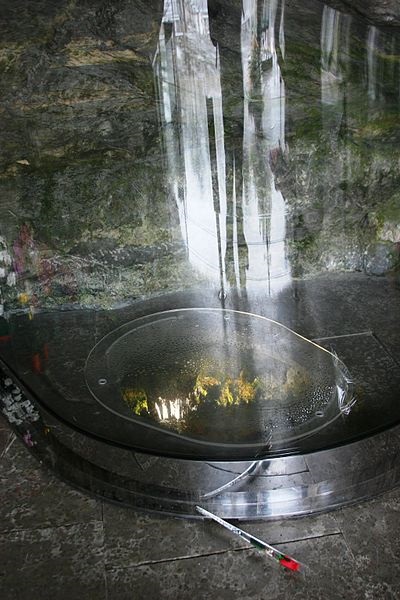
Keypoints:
pixel 279 487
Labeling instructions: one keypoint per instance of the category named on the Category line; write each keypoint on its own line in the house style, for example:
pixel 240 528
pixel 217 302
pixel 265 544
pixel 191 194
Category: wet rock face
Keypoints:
pixel 83 146
pixel 383 12
pixel 67 69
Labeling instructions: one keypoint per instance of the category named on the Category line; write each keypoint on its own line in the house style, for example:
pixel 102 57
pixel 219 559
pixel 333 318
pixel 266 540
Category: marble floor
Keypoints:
pixel 58 543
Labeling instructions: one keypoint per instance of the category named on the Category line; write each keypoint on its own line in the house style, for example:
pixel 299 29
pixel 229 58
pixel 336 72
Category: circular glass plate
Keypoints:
pixel 218 378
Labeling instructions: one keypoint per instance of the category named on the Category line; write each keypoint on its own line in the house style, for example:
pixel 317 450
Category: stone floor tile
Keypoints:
pixel 372 532
pixel 6 437
pixel 61 563
pixel 31 497
pixel 243 575
pixel 132 538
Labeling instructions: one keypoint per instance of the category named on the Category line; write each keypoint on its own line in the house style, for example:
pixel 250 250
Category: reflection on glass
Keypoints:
pixel 372 61
pixel 335 45
pixel 264 209
pixel 187 68
pixel 219 376
pixel 279 154
pixel 188 76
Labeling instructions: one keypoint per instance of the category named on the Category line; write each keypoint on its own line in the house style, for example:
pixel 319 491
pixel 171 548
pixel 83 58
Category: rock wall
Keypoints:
pixel 83 180
pixel 380 12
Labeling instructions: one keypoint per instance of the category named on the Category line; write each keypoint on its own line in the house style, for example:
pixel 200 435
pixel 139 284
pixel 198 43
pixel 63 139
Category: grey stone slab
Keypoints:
pixel 4 425
pixel 389 338
pixel 132 538
pixel 61 563
pixel 291 530
pixel 6 436
pixel 31 497
pixel 372 532
pixel 376 377
pixel 244 575
pixel 378 451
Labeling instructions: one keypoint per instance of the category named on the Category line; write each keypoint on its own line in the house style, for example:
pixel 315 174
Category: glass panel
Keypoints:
pixel 191 193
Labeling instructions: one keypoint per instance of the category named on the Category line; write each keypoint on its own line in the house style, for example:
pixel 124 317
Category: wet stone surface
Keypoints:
pixel 117 553
pixel 93 179
pixel 245 574
pixel 59 562
pixel 130 537
pixel 384 12
pixel 372 532
pixel 25 484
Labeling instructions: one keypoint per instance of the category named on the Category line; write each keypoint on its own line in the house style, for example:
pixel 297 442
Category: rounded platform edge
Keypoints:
pixel 286 487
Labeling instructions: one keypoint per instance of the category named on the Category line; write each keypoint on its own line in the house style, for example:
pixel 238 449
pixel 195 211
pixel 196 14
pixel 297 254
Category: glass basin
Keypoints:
pixel 236 384
pixel 199 233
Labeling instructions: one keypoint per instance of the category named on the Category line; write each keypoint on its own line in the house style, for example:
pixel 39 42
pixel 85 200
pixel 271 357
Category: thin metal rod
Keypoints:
pixel 283 559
